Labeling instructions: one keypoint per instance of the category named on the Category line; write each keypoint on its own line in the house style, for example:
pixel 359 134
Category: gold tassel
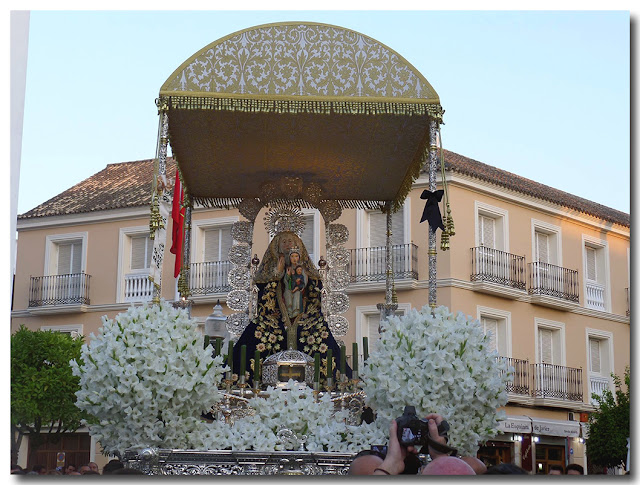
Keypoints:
pixel 444 240
pixel 450 227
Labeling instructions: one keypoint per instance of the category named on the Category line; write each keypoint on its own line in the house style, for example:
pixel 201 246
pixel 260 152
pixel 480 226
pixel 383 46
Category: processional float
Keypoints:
pixel 285 117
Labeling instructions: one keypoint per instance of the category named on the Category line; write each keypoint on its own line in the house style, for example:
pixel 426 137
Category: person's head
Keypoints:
pixel 556 470
pixel 112 466
pixel 93 466
pixel 298 269
pixel 40 469
pixel 506 469
pixel 365 463
pixel 575 469
pixel 477 465
pixel 447 465
pixel 84 469
pixel 69 468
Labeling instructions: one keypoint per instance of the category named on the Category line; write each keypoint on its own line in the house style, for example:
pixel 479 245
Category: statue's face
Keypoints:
pixel 286 242
pixel 294 258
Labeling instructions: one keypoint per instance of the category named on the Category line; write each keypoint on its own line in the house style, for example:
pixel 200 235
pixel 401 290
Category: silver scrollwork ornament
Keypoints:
pixel 338 257
pixel 239 254
pixel 242 231
pixel 338 325
pixel 237 322
pixel 238 300
pixel 338 302
pixel 338 234
pixel 250 208
pixel 339 279
pixel 330 210
pixel 239 278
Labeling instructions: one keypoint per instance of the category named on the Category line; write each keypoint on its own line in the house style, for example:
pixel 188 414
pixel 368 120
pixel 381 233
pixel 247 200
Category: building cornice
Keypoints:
pixel 513 196
pixel 97 217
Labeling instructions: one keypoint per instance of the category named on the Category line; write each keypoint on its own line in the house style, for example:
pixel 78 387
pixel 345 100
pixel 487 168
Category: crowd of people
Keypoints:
pixel 114 467
pixel 400 460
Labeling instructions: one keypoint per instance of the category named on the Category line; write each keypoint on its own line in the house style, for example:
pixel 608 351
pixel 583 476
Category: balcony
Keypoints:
pixel 59 290
pixel 496 272
pixel 594 297
pixel 553 286
pixel 520 383
pixel 137 287
pixel 369 264
pixel 209 278
pixel 597 385
pixel 557 382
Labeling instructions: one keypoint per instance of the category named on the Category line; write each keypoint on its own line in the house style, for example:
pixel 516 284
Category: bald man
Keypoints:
pixel 477 465
pixel 365 464
pixel 448 465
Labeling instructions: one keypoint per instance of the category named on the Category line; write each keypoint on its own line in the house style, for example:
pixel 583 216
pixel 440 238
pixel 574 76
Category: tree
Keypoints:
pixel 42 387
pixel 609 425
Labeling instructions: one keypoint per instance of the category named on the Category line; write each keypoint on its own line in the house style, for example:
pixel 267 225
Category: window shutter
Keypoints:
pixel 487 231
pixel 545 345
pixel 70 257
pixel 373 323
pixel 377 229
pixel 307 236
pixel 591 264
pixel 139 252
pixel 542 247
pixel 212 245
pixel 397 227
pixel 594 351
pixel 491 330
pixel 226 241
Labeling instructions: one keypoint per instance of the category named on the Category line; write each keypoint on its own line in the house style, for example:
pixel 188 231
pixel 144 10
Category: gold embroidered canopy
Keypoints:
pixel 339 112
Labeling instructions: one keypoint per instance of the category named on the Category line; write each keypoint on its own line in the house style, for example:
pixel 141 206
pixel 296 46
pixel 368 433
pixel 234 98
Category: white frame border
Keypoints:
pixel 485 311
pixel 496 213
pixel 555 326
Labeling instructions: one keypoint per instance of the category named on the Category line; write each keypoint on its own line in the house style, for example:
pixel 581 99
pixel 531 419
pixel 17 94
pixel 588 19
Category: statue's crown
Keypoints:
pixel 294 250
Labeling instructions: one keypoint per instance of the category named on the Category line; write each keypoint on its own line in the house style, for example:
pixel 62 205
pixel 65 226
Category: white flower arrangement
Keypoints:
pixel 295 409
pixel 438 363
pixel 145 379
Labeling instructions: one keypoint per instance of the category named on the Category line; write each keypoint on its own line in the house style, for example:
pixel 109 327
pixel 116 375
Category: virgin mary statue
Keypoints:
pixel 289 312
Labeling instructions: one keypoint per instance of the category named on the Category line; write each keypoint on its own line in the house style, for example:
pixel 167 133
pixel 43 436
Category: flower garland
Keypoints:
pixel 438 363
pixel 146 378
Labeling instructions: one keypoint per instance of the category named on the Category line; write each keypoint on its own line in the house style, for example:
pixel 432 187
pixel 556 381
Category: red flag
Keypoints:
pixel 177 216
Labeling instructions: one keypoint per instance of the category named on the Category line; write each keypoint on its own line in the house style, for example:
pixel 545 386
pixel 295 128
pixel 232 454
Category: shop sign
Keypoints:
pixel 515 425
pixel 558 428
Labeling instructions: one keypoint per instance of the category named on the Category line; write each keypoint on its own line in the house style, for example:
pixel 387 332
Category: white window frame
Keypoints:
pixel 603 336
pixel 198 234
pixel 603 246
pixel 70 329
pixel 50 252
pixel 316 233
pixel 124 256
pixel 555 241
pixel 362 312
pixel 501 216
pixel 504 318
pixel 555 327
pixel 363 239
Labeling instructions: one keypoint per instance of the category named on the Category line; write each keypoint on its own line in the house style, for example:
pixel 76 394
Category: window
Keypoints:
pixel 73 330
pixel 217 243
pixel 141 250
pixel 596 277
pixel 546 243
pixel 65 254
pixel 497 325
pixel 368 324
pixel 378 228
pixel 549 342
pixel 308 238
pixel 492 227
pixel 600 358
pixel 487 231
pixel 69 257
pixel 134 262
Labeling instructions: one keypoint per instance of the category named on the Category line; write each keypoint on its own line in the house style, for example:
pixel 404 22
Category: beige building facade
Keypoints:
pixel 545 272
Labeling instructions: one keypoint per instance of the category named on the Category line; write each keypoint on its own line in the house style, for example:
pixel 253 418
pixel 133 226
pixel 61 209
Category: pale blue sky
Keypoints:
pixel 541 94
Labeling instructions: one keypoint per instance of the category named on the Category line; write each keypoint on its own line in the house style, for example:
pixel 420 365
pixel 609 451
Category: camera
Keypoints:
pixel 413 431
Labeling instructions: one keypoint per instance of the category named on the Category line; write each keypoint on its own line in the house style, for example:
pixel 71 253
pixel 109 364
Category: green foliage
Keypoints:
pixel 609 425
pixel 42 385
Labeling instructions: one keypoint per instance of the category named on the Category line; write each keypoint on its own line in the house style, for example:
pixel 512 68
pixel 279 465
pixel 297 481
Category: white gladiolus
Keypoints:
pixel 146 378
pixel 438 363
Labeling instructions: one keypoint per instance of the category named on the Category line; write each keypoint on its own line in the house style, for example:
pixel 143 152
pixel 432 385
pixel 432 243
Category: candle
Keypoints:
pixel 218 344
pixel 256 366
pixel 207 341
pixel 354 358
pixel 230 357
pixel 365 348
pixel 243 360
pixel 316 368
pixel 343 360
pixel 329 364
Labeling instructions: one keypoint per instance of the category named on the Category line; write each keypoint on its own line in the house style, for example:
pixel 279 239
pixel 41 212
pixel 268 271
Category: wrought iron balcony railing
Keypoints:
pixel 64 289
pixel 369 264
pixel 550 280
pixel 557 381
pixel 520 382
pixel 496 266
pixel 210 277
pixel 137 287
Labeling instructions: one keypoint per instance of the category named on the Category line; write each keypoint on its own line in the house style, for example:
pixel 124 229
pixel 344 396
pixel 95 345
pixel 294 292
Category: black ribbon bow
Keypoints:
pixel 431 211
